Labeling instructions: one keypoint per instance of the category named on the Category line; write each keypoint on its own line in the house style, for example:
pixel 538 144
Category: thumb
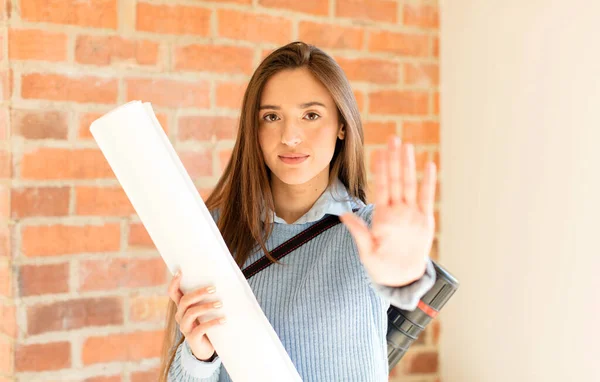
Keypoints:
pixel 359 231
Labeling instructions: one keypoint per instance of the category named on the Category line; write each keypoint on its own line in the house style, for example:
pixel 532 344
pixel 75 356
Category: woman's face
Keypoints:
pixel 297 117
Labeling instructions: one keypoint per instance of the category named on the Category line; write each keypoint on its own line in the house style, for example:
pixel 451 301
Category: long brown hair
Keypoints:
pixel 244 187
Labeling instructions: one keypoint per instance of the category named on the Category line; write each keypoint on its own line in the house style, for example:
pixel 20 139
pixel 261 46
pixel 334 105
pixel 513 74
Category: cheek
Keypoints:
pixel 323 141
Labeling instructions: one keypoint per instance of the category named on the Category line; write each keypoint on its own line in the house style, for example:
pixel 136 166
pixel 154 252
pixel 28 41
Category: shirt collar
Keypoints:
pixel 335 200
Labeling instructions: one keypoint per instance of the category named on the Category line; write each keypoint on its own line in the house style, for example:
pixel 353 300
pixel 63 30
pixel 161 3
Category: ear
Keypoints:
pixel 341 131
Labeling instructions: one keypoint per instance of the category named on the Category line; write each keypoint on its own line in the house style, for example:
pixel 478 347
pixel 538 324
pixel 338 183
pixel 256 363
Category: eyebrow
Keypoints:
pixel 302 106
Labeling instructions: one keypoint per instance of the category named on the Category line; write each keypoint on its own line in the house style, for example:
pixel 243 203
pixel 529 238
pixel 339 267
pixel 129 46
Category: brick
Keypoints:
pixel 436 329
pixel 434 253
pixel 5 164
pixel 43 279
pixel 74 314
pixel 6 278
pixel 143 376
pixel 138 236
pixel 374 10
pixel 360 100
pixel 34 44
pixel 404 44
pixel 435 46
pixel 422 16
pixel 57 163
pixel 224 156
pixel 254 27
pixel 4 201
pixel 205 193
pixel 206 128
pixel 90 13
pixel 107 50
pixel 427 75
pixel 122 347
pixel 214 58
pixel 6 357
pixel 399 102
pixel 4 124
pixel 169 93
pixel 43 357
pixel 76 88
pixel 5 241
pixel 422 132
pixel 369 70
pixel 40 201
pixel 423 363
pixel 421 157
pixel 121 273
pixel 197 163
pixel 436 103
pixel 64 240
pixel 331 36
pixel 173 19
pixel 148 308
pixel 315 7
pixel 230 94
pixel 40 124
pixel 8 323
pixel 102 201
pixel 112 378
pixel 86 119
pixel 378 133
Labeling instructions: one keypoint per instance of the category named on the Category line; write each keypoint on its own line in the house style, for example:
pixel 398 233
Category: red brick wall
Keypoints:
pixel 78 272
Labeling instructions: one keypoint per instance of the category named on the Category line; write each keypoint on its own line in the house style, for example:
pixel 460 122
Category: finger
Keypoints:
pixel 394 170
pixel 382 191
pixel 427 193
pixel 192 298
pixel 192 313
pixel 174 291
pixel 202 328
pixel 409 175
pixel 359 231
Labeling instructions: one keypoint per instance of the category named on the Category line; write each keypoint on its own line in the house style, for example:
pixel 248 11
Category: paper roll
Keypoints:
pixel 170 207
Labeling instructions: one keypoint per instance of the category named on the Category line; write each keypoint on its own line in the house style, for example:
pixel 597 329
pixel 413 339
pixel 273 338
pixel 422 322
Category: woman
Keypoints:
pixel 298 157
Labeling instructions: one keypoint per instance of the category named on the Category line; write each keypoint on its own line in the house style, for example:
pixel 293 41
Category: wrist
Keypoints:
pixel 212 357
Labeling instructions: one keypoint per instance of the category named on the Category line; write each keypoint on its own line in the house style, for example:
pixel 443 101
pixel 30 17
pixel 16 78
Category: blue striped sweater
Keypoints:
pixel 329 315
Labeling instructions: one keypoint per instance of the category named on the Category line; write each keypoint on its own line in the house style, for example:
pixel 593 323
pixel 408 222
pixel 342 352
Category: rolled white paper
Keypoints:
pixel 187 238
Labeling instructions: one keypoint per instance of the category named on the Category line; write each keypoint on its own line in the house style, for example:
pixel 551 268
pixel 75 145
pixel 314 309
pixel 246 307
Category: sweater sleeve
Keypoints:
pixel 405 297
pixel 187 368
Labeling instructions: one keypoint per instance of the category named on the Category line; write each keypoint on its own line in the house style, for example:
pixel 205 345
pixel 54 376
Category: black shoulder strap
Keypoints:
pixel 293 243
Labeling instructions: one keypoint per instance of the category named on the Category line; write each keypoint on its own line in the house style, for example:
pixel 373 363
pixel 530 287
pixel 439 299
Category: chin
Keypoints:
pixel 293 177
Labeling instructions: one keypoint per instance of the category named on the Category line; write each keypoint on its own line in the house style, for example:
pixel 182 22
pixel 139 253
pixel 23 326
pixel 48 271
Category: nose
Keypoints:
pixel 291 134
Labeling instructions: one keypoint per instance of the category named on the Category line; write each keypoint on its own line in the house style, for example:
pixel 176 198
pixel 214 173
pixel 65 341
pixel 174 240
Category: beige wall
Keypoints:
pixel 520 112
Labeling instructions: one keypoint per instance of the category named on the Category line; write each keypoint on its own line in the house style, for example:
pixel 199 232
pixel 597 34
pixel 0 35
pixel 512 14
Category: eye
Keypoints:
pixel 313 116
pixel 270 117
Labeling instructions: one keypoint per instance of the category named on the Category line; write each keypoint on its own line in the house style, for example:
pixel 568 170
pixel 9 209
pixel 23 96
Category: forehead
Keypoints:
pixel 293 87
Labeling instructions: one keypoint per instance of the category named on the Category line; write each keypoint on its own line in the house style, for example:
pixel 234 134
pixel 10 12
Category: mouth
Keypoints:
pixel 293 159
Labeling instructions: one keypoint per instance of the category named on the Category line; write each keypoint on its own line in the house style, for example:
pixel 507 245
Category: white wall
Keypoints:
pixel 520 172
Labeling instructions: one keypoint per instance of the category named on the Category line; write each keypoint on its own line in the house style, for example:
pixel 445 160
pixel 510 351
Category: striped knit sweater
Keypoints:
pixel 329 315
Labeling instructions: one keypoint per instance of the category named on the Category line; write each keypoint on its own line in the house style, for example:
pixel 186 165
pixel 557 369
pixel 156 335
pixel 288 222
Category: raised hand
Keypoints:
pixel 395 250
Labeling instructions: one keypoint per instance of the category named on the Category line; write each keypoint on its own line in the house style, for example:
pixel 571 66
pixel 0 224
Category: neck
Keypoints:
pixel 292 201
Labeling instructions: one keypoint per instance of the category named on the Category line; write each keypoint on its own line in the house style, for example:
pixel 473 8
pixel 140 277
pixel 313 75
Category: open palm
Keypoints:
pixel 395 250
